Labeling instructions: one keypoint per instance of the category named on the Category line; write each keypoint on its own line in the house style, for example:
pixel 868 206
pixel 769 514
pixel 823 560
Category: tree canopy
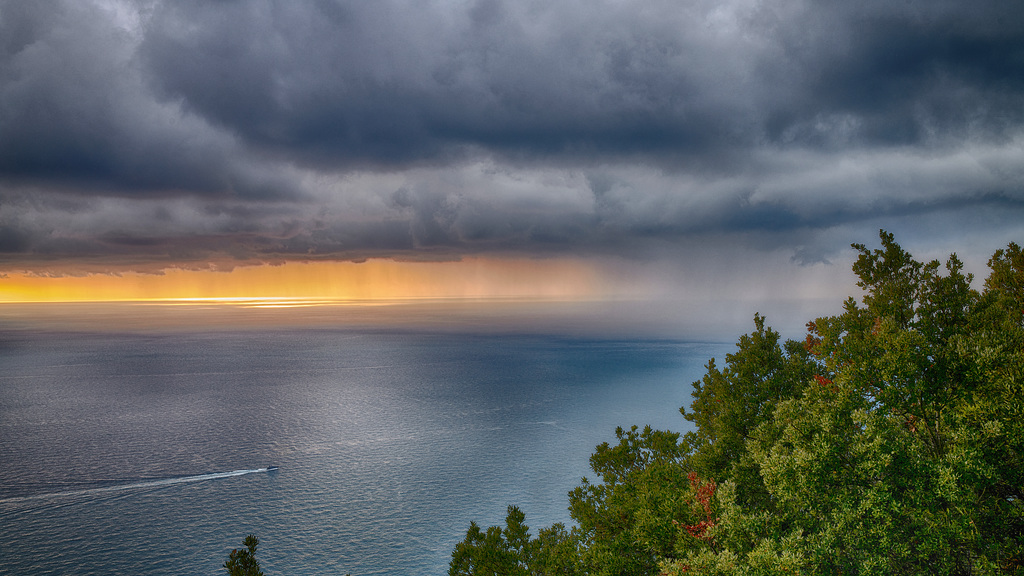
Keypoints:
pixel 243 562
pixel 889 441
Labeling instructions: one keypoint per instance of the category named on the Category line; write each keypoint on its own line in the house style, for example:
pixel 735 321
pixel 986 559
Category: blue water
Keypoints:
pixel 147 453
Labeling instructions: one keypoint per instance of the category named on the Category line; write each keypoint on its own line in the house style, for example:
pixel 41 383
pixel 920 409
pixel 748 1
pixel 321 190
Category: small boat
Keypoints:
pixel 271 468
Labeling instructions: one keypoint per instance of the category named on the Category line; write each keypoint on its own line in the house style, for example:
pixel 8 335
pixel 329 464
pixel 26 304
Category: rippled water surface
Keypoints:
pixel 148 453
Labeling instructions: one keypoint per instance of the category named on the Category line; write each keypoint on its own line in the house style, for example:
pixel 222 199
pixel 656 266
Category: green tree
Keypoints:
pixel 556 552
pixel 625 520
pixel 903 454
pixel 510 551
pixel 728 405
pixel 645 507
pixel 890 441
pixel 244 562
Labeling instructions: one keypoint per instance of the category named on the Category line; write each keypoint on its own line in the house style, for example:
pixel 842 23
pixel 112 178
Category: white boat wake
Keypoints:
pixel 137 485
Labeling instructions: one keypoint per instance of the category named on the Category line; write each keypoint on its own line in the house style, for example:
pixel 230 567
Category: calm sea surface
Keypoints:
pixel 146 453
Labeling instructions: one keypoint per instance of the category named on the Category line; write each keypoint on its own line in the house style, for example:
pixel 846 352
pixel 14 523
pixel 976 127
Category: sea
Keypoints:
pixel 346 449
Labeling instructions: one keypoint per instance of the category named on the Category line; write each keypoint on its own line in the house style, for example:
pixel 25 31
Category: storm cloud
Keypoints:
pixel 139 133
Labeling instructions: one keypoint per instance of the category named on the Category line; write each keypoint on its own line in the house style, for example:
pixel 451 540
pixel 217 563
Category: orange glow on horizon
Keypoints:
pixel 310 283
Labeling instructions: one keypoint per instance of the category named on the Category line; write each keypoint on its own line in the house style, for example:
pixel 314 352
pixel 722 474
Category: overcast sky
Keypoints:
pixel 703 136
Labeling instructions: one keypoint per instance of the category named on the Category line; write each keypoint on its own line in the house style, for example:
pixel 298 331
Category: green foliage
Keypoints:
pixel 1007 281
pixel 903 455
pixel 730 404
pixel 555 552
pixel 890 441
pixel 510 551
pixel 243 562
pixel 638 511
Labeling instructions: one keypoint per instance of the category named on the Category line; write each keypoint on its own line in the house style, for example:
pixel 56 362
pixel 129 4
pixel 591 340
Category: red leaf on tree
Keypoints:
pixel 704 492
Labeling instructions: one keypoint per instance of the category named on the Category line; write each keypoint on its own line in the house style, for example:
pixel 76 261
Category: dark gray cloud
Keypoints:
pixel 76 116
pixel 135 131
pixel 393 82
pixel 917 73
